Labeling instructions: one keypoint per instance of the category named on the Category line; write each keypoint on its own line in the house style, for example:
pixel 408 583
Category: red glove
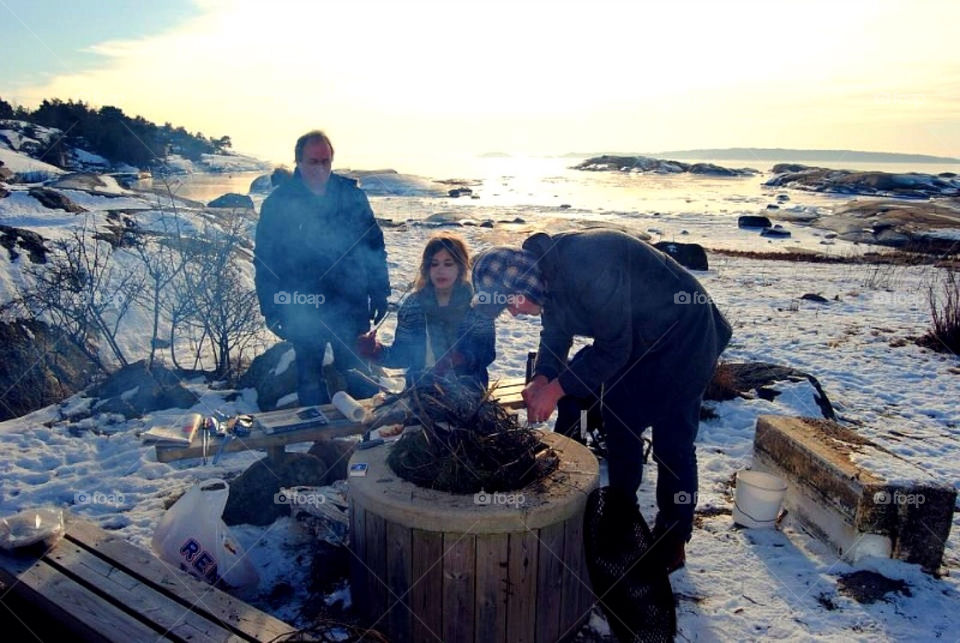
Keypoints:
pixel 449 363
pixel 368 346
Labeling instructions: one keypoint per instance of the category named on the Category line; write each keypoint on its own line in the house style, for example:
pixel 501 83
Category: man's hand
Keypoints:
pixel 541 397
pixel 535 384
pixel 378 309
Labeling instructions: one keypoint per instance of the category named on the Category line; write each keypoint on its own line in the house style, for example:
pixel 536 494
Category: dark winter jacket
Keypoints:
pixel 640 307
pixel 454 328
pixel 319 260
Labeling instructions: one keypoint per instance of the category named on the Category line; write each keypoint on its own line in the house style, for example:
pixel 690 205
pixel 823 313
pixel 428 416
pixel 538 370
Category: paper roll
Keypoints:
pixel 350 408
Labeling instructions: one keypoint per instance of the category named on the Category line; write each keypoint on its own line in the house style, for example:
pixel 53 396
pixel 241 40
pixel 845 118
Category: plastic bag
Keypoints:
pixel 192 536
pixel 31 527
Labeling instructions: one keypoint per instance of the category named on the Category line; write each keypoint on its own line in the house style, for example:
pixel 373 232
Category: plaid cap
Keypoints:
pixel 500 273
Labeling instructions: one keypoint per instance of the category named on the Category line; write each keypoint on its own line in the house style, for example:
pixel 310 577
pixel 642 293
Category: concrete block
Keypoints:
pixel 853 493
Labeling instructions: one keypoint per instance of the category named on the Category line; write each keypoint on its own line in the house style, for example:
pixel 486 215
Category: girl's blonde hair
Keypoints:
pixel 457 248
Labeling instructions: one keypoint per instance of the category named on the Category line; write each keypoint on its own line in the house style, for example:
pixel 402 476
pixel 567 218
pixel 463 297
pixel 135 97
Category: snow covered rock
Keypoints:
pixel 689 255
pixel 759 379
pixel 232 200
pixel 135 389
pixel 54 200
pixel 253 499
pixel 903 185
pixel 26 240
pixel 273 374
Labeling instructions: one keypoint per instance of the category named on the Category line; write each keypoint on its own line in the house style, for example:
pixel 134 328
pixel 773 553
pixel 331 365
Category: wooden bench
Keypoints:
pixel 506 392
pixel 95 586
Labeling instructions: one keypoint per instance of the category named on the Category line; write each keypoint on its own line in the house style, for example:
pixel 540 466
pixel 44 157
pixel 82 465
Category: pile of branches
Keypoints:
pixel 468 443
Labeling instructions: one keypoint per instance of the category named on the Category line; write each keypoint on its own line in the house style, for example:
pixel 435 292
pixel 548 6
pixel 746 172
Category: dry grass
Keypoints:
pixel 944 298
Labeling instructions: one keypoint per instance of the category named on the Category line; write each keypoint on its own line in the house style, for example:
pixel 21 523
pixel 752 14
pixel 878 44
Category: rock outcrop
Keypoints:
pixel 232 200
pixel 902 185
pixel 928 226
pixel 16 240
pixel 647 165
pixel 273 374
pixel 54 200
pixel 59 369
pixel 689 255
pixel 135 389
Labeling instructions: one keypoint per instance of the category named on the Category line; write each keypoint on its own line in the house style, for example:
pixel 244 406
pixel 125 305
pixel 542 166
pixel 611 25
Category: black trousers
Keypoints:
pixel 630 402
pixel 312 385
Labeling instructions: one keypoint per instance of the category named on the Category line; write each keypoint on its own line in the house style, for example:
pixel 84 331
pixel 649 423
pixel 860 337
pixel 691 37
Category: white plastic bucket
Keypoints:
pixel 758 498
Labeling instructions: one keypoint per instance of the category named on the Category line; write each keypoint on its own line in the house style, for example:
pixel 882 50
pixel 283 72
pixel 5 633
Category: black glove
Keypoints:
pixel 378 309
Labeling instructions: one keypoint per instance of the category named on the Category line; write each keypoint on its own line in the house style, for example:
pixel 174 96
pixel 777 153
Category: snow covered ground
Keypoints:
pixel 738 584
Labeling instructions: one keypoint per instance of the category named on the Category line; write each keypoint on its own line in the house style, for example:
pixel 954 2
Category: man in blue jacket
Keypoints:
pixel 321 266
pixel 656 339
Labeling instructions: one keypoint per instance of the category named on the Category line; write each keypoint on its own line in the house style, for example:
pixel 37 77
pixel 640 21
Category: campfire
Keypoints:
pixel 467 443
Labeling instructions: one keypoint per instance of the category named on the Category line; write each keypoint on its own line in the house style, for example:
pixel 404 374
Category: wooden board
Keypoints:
pixel 576 596
pixel 358 546
pixel 550 571
pixel 492 580
pixel 232 613
pixel 338 426
pixel 426 595
pixel 109 581
pixel 523 564
pixel 99 587
pixel 459 551
pixel 399 543
pixel 61 599
pixel 376 559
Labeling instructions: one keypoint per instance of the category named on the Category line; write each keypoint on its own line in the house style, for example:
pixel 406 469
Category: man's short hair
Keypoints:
pixel 310 137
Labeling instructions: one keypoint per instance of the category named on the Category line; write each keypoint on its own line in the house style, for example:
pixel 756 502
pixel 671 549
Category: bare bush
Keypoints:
pixel 213 305
pixel 944 298
pixel 82 292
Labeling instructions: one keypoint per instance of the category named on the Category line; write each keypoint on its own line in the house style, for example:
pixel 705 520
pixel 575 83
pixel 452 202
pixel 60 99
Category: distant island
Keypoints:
pixel 782 154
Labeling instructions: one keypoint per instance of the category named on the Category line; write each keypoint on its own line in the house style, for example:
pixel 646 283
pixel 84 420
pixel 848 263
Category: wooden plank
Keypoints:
pixel 128 593
pixel 492 578
pixel 523 570
pixel 358 563
pixel 426 595
pixel 399 543
pixel 259 440
pixel 507 393
pixel 220 607
pixel 376 559
pixel 459 573
pixel 65 601
pixel 550 570
pixel 576 581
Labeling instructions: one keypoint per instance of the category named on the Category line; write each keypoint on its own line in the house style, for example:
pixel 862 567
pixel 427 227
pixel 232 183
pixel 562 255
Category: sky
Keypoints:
pixel 403 84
